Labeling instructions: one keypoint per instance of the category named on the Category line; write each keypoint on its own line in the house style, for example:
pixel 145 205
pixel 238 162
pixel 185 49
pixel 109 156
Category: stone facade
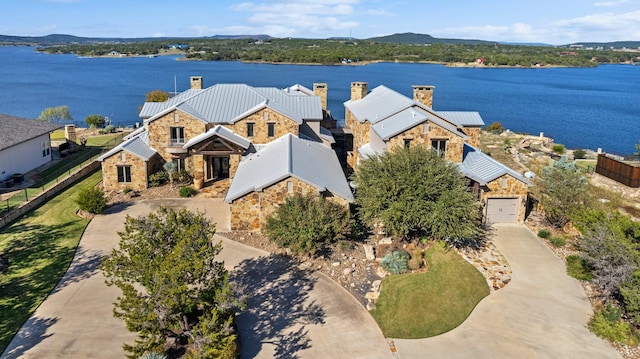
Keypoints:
pixel 139 170
pixel 250 212
pixel 261 120
pixel 512 188
pixel 418 136
pixel 160 133
pixel 423 94
pixel 474 135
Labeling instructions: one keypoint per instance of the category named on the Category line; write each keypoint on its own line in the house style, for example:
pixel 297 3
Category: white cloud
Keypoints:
pixel 303 18
pixel 610 3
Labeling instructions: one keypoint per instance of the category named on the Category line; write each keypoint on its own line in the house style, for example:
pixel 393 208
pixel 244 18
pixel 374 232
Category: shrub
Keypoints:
pixel 183 176
pixel 159 178
pixel 416 259
pixel 579 154
pixel 396 262
pixel 92 200
pixel 607 323
pixel 578 268
pixel 495 128
pixel 557 241
pixel 544 233
pixel 558 148
pixel 186 191
pixel 630 293
pixel 305 223
pixel 127 190
pixel 110 129
pixel 154 355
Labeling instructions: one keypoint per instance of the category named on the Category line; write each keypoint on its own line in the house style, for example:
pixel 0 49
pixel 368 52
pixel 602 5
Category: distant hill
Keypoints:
pixel 615 44
pixel 61 39
pixel 413 38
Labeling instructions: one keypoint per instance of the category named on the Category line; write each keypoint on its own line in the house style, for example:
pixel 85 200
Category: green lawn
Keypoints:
pixel 423 305
pixel 39 247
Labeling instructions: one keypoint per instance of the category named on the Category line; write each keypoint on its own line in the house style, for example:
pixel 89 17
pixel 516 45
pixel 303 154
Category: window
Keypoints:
pixel 179 163
pixel 124 174
pixel 407 143
pixel 440 146
pixel 271 129
pixel 249 129
pixel 177 135
pixel 44 150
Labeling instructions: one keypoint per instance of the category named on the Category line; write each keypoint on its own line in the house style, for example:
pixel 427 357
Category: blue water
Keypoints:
pixel 580 108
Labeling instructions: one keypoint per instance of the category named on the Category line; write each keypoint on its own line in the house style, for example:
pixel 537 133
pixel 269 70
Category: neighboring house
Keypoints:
pixel 382 120
pixel 224 135
pixel 24 145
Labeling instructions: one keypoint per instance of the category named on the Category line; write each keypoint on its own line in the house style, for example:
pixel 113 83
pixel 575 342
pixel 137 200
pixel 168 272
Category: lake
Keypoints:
pixel 579 107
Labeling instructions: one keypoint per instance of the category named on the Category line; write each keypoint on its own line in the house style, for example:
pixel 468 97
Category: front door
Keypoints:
pixel 217 168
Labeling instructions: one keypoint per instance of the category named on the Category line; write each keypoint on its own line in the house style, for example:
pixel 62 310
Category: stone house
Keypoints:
pixel 256 145
pixel 383 120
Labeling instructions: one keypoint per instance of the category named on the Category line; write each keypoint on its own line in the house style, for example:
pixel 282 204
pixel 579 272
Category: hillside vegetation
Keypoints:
pixel 407 47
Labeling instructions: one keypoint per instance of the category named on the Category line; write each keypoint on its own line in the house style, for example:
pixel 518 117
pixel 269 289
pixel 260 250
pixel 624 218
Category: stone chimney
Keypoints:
pixel 358 90
pixel 320 90
pixel 423 94
pixel 196 83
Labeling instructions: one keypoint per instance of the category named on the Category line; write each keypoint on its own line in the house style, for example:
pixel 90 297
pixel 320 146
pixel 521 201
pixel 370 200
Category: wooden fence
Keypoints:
pixel 614 167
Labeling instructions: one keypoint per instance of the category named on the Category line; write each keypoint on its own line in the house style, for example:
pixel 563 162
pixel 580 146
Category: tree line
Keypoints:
pixel 320 51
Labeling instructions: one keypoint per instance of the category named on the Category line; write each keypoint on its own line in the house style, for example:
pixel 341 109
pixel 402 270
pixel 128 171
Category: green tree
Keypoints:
pixel 95 121
pixel 172 286
pixel 55 114
pixel 91 200
pixel 415 192
pixel 305 223
pixel 157 96
pixel 562 190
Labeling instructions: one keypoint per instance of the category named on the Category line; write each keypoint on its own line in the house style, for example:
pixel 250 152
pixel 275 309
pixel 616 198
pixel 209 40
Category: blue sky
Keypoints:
pixel 548 21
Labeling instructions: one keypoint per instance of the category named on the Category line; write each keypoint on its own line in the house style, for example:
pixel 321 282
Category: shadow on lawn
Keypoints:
pixel 278 308
pixel 32 333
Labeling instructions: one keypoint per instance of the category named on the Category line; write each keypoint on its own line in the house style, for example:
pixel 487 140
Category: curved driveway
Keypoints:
pixel 298 313
pixel 541 313
pixel 292 312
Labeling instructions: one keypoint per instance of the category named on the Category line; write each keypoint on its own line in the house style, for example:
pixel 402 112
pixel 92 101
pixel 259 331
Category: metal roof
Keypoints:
pixel 409 118
pixel 464 118
pixel 221 132
pixel 290 156
pixel 377 105
pixel 299 90
pixel 138 146
pixel 15 130
pixel 150 109
pixel 484 169
pixel 228 103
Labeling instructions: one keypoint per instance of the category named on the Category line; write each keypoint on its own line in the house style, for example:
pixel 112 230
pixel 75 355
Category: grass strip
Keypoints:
pixel 422 305
pixel 39 248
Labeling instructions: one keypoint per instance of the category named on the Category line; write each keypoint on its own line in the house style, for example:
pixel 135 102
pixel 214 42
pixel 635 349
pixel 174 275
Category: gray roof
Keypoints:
pixel 228 103
pixel 464 118
pixel 221 132
pixel 290 156
pixel 484 169
pixel 150 109
pixel 138 145
pixel 299 90
pixel 15 130
pixel 379 104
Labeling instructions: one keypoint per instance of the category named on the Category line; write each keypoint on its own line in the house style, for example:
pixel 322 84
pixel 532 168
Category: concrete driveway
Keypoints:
pixel 542 313
pixel 292 312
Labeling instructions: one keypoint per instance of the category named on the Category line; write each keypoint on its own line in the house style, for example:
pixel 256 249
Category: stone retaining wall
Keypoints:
pixel 51 192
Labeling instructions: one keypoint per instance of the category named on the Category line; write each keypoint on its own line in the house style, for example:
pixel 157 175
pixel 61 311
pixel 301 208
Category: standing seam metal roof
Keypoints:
pixel 290 156
pixel 482 168
pixel 138 145
pixel 227 103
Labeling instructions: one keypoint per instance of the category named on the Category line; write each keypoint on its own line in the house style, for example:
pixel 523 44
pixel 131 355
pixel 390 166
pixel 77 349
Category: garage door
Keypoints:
pixel 502 210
